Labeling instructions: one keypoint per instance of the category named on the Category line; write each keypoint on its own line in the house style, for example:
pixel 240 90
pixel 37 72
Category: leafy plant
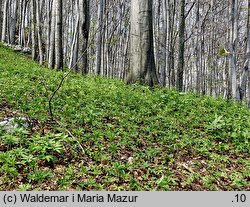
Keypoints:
pixel 111 136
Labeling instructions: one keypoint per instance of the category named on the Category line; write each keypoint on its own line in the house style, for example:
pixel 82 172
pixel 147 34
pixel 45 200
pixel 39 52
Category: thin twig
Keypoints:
pixel 54 93
pixel 70 134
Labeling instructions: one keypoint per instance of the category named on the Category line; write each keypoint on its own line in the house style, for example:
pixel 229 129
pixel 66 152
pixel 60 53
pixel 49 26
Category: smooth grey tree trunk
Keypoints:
pixel 84 25
pixel 23 13
pixel 12 21
pixel 33 32
pixel 49 5
pixel 245 74
pixel 59 36
pixel 99 37
pixel 39 32
pixel 51 63
pixel 1 18
pixel 142 62
pixel 197 47
pixel 75 42
pixel 233 55
pixel 180 68
pixel 172 42
pixel 5 21
pixel 165 41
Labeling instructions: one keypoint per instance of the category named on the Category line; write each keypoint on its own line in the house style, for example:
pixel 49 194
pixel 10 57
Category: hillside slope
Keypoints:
pixel 110 136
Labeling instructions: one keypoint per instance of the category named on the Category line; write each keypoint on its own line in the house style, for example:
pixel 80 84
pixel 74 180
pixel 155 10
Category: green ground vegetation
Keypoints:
pixel 107 135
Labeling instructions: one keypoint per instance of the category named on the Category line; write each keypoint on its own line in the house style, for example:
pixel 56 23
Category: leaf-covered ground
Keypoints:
pixel 110 136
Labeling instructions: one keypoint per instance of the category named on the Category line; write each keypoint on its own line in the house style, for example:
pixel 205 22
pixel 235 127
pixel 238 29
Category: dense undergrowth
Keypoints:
pixel 110 136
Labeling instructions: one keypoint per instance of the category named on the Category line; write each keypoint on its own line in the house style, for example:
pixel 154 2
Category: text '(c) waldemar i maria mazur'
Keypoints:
pixel 78 198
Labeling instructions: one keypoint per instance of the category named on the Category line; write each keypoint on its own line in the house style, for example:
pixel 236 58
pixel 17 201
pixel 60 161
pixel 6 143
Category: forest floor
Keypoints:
pixel 107 135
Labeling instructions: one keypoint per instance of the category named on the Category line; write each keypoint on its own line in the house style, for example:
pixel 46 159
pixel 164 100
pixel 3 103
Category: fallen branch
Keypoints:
pixel 71 135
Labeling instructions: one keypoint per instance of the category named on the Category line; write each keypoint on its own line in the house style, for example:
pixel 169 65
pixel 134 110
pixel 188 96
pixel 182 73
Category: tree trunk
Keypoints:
pixel 59 36
pixel 84 33
pixel 142 62
pixel 23 13
pixel 197 47
pixel 245 74
pixel 52 37
pixel 233 55
pixel 165 41
pixel 49 7
pixel 39 32
pixel 1 18
pixel 99 37
pixel 34 36
pixel 12 22
pixel 172 41
pixel 5 20
pixel 75 43
pixel 180 68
